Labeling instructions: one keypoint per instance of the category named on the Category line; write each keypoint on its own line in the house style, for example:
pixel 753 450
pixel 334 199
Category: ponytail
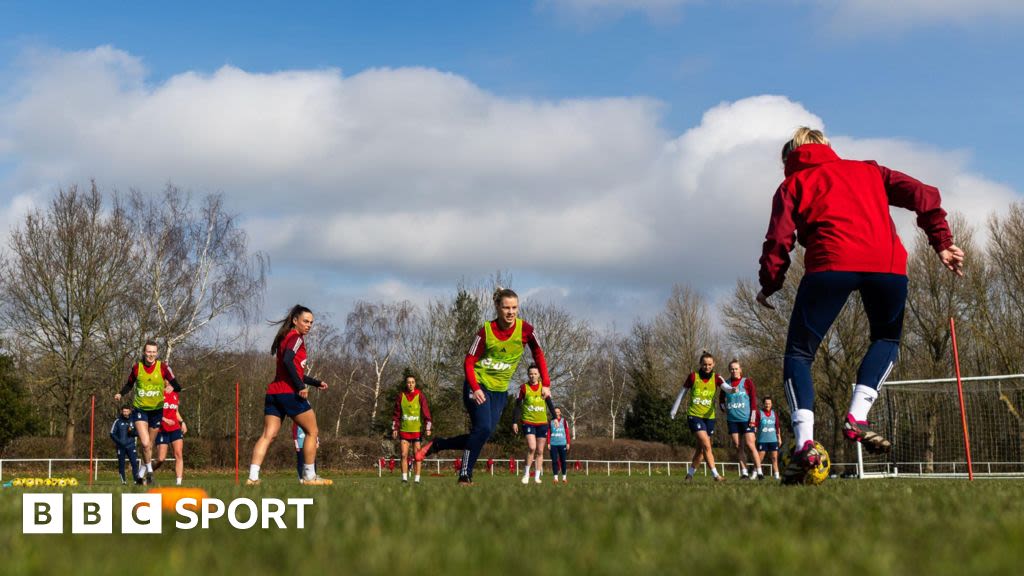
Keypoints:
pixel 286 324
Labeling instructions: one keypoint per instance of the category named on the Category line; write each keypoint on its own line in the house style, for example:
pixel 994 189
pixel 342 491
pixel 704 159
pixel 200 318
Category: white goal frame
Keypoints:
pixel 959 469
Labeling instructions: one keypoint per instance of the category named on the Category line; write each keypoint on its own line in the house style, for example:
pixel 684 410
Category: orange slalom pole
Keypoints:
pixel 92 436
pixel 960 391
pixel 236 430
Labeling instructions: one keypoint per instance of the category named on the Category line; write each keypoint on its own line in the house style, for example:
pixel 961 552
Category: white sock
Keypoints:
pixel 405 475
pixel 178 481
pixel 690 470
pixel 149 467
pixel 309 471
pixel 536 474
pixel 417 478
pixel 254 472
pixel 563 477
pixel 860 403
pixel 743 471
pixel 714 472
pixel 803 426
pixel 526 472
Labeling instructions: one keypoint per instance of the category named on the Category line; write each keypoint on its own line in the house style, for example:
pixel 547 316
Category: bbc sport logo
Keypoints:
pixel 93 513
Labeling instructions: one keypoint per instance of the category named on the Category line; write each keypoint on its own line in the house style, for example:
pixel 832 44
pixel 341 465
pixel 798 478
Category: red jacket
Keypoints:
pixel 839 211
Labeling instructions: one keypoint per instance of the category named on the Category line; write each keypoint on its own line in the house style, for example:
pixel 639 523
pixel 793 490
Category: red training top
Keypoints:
pixel 565 426
pixel 170 417
pixel 529 338
pixel 689 380
pixel 165 371
pixel 282 383
pixel 839 211
pixel 748 385
pixel 396 421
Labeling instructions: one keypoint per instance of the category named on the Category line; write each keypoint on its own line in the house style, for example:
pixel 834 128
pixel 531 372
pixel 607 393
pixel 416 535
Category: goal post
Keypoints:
pixel 924 422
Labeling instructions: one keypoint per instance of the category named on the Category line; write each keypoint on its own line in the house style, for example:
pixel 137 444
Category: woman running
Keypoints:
pixel 411 413
pixel 533 409
pixel 839 211
pixel 172 430
pixel 768 436
pixel 701 387
pixel 559 440
pixel 148 377
pixel 740 408
pixel 489 366
pixel 288 396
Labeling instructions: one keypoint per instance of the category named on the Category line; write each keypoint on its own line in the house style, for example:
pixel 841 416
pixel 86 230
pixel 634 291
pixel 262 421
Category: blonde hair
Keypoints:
pixel 803 135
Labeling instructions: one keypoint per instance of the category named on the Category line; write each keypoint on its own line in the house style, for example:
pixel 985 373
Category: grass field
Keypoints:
pixel 594 525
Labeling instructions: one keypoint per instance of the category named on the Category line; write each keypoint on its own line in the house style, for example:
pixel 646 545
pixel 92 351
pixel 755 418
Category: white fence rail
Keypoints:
pixel 587 467
pixel 50 461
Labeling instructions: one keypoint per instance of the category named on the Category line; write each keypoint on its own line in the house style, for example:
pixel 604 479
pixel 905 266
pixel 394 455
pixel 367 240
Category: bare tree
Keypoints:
pixel 195 266
pixel 374 330
pixel 67 266
pixel 612 381
pixel 568 345
pixel 681 332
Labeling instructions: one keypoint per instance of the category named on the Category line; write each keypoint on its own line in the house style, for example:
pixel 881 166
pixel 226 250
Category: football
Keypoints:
pixel 815 475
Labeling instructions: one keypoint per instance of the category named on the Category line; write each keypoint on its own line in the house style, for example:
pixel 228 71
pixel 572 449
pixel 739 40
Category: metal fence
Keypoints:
pixel 585 467
pixel 38 463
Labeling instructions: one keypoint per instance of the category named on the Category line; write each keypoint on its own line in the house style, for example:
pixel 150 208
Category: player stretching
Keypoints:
pixel 740 407
pixel 171 431
pixel 287 396
pixel 839 211
pixel 149 376
pixel 534 410
pixel 489 366
pixel 411 411
pixel 701 386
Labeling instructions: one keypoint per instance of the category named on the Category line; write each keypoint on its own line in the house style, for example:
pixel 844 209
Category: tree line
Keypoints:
pixel 87 279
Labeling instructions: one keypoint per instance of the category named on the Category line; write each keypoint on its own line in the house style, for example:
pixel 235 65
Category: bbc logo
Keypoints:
pixel 91 514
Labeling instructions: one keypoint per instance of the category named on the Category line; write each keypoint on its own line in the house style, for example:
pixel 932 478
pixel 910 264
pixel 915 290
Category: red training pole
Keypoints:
pixel 92 436
pixel 960 391
pixel 236 430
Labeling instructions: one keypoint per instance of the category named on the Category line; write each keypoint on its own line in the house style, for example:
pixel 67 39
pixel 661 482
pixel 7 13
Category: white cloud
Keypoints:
pixel 855 16
pixel 396 182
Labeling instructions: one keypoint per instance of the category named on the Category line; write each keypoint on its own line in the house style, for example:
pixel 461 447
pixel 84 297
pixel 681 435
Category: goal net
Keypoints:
pixel 922 419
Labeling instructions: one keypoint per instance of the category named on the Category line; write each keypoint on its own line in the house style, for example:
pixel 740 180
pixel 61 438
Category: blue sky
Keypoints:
pixel 927 83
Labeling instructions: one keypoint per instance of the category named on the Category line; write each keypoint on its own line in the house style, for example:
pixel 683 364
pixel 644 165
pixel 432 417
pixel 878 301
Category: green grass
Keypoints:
pixel 594 525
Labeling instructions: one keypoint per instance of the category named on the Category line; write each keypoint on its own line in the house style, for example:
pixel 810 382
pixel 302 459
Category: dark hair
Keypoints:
pixel 502 293
pixel 532 367
pixel 285 325
pixel 409 373
pixel 706 354
pixel 763 398
pixel 123 408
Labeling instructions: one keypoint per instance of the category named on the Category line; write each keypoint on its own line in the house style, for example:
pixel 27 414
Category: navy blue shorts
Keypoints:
pixel 698 424
pixel 168 437
pixel 539 430
pixel 741 427
pixel 287 404
pixel 768 447
pixel 153 417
